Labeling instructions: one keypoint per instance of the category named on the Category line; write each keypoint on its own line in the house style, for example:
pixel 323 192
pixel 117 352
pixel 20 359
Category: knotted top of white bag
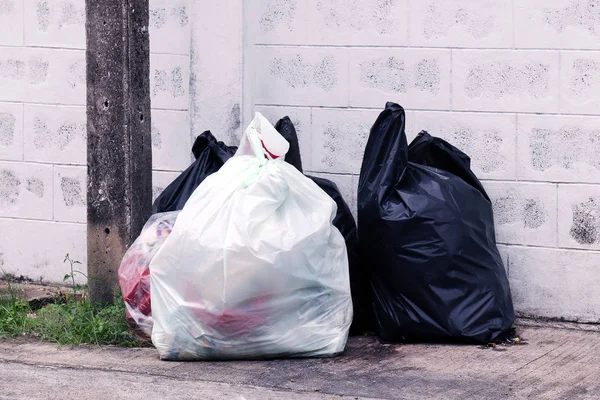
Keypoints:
pixel 262 140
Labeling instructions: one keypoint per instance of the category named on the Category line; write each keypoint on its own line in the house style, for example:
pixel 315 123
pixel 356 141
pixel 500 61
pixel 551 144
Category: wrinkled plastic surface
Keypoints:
pixel 134 272
pixel 435 152
pixel 427 239
pixel 254 267
pixel 344 221
pixel 210 156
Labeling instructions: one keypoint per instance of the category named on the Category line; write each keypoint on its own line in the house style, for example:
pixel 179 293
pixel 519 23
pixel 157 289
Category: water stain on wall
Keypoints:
pixel 7 7
pixel 300 74
pixel 71 15
pixel 181 14
pixel 69 131
pixel 278 12
pixel 9 187
pixel 497 80
pixel 234 121
pixel 155 137
pixel 394 75
pixel 35 186
pixel 65 134
pixel 156 191
pixel 43 15
pixel 7 129
pixel 482 145
pixel 72 191
pixel 76 74
pixel 12 69
pixel 505 209
pixel 160 81
pixel 584 229
pixel 564 147
pixel 534 214
pixel 177 82
pixel 38 70
pixel 359 15
pixel 426 76
pixel 511 209
pixel 163 84
pixel 41 133
pixel 440 17
pixel 158 17
pixel 582 13
pixel 585 78
pixel 343 142
pixel 385 73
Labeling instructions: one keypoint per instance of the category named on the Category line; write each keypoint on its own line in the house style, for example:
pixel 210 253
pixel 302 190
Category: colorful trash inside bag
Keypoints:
pixel 427 240
pixel 134 272
pixel 254 267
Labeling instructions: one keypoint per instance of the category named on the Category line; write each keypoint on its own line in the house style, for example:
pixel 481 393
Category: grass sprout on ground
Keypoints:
pixel 72 320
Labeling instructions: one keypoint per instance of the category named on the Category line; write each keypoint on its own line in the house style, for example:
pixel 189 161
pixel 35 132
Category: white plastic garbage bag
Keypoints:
pixel 134 272
pixel 254 267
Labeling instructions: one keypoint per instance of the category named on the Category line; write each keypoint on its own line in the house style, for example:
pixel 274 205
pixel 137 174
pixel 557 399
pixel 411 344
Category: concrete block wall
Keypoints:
pixel 515 84
pixel 43 126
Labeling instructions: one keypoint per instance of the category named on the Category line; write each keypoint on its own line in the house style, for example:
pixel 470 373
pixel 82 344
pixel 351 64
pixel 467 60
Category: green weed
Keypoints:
pixel 73 320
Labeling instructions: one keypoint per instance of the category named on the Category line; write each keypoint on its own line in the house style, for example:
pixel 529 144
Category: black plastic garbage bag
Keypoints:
pixel 344 221
pixel 210 156
pixel 427 239
pixel 435 152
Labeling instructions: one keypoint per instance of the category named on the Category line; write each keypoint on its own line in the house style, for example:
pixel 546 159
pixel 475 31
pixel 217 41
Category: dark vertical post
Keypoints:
pixel 119 150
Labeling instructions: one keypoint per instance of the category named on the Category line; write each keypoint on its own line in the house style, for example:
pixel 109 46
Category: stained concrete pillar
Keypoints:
pixel 119 152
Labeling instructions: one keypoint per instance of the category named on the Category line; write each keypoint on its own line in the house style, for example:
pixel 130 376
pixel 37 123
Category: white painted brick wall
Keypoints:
pixel 579 216
pixel 580 81
pixel 301 76
pixel 416 77
pixel 70 184
pixel 357 22
pixel 557 24
pixel 524 213
pixel 339 139
pixel 505 80
pixel 11 23
pixel 461 23
pixel 216 86
pixel 55 24
pixel 558 148
pixel 11 131
pixel 36 249
pixel 489 139
pixel 55 134
pixel 43 125
pixel 26 190
pixel 554 283
pixel 514 84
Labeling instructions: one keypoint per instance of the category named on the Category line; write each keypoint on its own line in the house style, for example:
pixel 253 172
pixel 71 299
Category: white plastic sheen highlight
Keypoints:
pixel 253 267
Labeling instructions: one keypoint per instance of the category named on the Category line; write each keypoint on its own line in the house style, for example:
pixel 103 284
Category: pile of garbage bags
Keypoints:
pixel 245 256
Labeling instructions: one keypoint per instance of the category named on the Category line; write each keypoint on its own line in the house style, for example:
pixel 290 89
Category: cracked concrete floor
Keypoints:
pixel 557 363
